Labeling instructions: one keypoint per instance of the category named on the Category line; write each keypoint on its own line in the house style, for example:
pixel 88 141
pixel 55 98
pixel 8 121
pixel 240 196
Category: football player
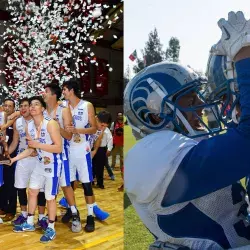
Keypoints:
pixel 187 193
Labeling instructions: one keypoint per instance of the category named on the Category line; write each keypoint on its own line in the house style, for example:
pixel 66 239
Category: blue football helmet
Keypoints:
pixel 151 100
pixel 222 86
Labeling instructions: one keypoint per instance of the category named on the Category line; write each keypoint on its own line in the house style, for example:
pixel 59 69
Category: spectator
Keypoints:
pixel 117 131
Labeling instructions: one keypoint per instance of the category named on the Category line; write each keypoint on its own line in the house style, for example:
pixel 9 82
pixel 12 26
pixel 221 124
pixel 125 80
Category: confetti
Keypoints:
pixel 42 40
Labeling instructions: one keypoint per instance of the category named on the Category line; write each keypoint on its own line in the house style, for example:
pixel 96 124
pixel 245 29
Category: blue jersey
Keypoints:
pixel 188 194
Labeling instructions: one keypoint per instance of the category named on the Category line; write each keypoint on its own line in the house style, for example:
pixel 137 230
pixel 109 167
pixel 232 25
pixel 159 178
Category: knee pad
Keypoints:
pixel 87 187
pixel 41 201
pixel 22 196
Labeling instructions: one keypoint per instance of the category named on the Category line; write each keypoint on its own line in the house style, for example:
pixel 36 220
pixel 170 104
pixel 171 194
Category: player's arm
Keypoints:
pixel 14 116
pixel 67 121
pixel 8 124
pixel 54 132
pixel 92 122
pixel 27 152
pixel 110 142
pixel 15 140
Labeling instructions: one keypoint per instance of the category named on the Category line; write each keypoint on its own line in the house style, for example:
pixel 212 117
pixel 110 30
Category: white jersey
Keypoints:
pixel 21 126
pixel 209 222
pixel 50 163
pixel 80 120
pixel 57 114
pixel 93 138
pixel 2 118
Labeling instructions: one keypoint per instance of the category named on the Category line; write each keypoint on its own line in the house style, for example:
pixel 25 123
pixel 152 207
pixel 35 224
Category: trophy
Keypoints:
pixel 4 154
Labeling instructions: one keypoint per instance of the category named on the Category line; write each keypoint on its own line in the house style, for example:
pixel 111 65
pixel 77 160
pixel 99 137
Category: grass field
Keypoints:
pixel 136 235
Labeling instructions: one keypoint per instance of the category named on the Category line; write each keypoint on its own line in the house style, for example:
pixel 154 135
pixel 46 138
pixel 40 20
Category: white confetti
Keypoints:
pixel 43 39
pixel 97 12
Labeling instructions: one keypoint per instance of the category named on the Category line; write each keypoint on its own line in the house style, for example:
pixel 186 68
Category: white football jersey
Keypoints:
pixel 213 221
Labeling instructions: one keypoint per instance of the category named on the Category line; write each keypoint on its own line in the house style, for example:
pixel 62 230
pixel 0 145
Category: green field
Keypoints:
pixel 137 236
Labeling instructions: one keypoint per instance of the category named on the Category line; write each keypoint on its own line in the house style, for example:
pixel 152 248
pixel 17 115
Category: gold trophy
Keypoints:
pixel 4 154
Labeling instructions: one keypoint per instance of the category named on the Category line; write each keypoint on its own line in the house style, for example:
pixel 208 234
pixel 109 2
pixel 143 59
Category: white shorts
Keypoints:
pixel 24 169
pixel 67 174
pixel 48 183
pixel 82 167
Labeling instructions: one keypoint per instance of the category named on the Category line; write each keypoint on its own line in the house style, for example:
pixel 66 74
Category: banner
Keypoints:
pixel 133 56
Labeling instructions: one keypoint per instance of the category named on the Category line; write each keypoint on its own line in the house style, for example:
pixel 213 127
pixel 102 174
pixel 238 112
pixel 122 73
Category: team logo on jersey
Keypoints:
pixel 21 150
pixel 46 160
pixel 22 134
pixel 48 170
pixel 42 140
pixel 76 138
pixel 39 158
pixel 78 118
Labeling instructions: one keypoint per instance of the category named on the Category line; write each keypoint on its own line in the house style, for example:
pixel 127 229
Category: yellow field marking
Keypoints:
pixel 99 241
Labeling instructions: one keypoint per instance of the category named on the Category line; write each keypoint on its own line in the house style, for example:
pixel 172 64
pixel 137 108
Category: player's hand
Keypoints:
pixel 217 49
pixel 6 154
pixel 71 129
pixel 235 34
pixel 10 163
pixel 2 138
pixel 33 144
pixel 33 154
pixel 108 153
pixel 3 127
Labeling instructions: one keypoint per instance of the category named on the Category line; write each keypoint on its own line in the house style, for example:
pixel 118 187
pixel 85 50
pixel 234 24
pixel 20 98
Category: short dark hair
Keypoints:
pixel 38 98
pixel 72 84
pixel 25 99
pixel 55 90
pixel 104 116
pixel 11 100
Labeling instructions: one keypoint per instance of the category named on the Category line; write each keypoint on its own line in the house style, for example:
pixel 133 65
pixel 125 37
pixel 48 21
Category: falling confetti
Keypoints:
pixel 45 43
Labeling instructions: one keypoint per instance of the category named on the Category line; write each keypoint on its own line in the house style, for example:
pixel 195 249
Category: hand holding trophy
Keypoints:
pixel 4 154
